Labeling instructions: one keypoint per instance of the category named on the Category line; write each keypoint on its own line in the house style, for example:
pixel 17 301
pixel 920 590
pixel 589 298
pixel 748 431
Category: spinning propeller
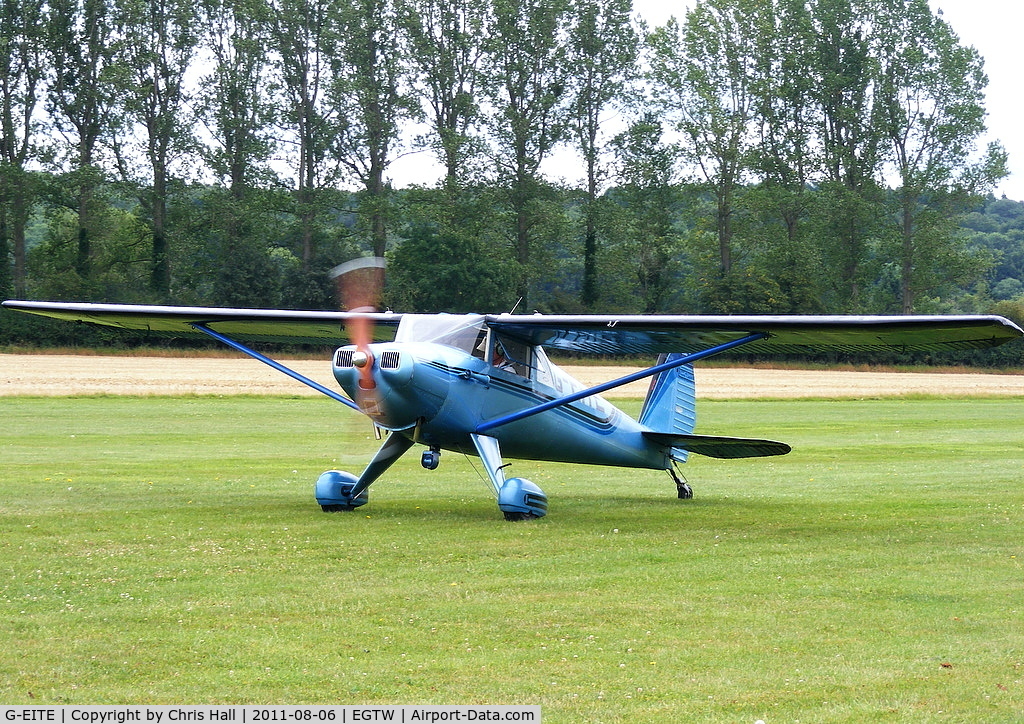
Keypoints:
pixel 360 283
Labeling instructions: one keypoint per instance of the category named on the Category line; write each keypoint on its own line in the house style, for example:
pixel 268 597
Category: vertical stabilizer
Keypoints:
pixel 671 402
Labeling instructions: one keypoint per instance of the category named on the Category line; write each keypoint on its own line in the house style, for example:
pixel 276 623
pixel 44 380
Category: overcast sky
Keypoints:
pixel 994 27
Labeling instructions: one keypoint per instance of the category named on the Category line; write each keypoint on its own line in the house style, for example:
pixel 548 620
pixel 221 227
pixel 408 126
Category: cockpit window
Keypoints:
pixel 512 355
pixel 552 375
pixel 462 331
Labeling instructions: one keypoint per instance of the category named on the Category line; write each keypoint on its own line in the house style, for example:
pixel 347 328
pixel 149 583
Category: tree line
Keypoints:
pixel 759 156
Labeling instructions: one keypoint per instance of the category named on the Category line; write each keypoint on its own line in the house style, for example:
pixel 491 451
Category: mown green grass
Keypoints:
pixel 170 551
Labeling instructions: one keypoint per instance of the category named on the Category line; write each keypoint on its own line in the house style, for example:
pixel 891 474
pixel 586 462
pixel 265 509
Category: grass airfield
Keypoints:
pixel 169 550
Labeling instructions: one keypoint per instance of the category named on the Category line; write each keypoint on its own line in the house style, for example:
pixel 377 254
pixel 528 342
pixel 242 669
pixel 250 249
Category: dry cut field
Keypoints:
pixel 66 375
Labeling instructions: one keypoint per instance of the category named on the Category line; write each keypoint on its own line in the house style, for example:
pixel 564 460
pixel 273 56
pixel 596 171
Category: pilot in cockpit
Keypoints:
pixel 500 360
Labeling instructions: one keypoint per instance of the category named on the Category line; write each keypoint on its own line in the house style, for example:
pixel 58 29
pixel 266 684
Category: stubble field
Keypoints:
pixel 65 375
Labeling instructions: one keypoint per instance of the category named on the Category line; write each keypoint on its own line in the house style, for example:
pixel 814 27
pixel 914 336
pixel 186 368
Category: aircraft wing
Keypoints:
pixel 589 333
pixel 796 334
pixel 262 325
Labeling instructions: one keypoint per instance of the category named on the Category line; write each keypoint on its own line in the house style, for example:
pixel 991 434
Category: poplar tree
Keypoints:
pixel 527 63
pixel 848 205
pixel 786 156
pixel 446 46
pixel 305 36
pixel 239 115
pixel 703 73
pixel 160 39
pixel 931 113
pixel 80 37
pixel 371 87
pixel 603 56
pixel 22 72
pixel 646 174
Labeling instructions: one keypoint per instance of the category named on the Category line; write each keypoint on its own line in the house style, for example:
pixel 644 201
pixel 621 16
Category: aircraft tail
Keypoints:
pixel 670 414
pixel 670 406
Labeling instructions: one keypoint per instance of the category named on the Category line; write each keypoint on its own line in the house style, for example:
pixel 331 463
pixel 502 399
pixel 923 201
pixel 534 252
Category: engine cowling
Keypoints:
pixel 400 397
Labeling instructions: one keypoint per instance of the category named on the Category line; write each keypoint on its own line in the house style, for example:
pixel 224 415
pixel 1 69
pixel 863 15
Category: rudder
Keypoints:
pixel 671 403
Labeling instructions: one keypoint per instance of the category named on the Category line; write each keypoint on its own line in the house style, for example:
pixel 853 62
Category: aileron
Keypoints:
pixel 267 325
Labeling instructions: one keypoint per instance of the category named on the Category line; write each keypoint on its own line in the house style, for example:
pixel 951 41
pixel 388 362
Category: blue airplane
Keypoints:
pixel 483 384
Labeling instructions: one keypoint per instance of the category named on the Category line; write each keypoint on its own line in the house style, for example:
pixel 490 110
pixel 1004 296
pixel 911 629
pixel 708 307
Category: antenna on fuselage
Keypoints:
pixel 516 305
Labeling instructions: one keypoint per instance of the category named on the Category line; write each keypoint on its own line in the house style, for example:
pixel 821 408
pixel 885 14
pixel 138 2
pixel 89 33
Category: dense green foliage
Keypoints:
pixel 169 551
pixel 229 153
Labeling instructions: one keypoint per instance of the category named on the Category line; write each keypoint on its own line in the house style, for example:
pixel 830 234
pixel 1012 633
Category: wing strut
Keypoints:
pixel 276 365
pixel 598 389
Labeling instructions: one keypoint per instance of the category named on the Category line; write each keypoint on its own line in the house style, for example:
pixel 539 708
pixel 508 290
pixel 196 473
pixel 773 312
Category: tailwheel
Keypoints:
pixel 683 489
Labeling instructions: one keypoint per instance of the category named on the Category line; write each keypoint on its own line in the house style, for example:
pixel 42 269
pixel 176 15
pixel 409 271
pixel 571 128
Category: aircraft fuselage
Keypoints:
pixel 438 396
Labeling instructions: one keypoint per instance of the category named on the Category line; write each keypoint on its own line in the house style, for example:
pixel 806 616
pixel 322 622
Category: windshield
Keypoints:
pixel 462 331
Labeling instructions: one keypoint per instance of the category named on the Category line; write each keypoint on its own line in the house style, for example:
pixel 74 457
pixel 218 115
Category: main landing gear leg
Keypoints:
pixel 683 489
pixel 518 498
pixel 336 490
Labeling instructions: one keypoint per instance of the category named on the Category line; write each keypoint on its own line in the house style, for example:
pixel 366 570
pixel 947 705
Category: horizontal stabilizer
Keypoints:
pixel 720 447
